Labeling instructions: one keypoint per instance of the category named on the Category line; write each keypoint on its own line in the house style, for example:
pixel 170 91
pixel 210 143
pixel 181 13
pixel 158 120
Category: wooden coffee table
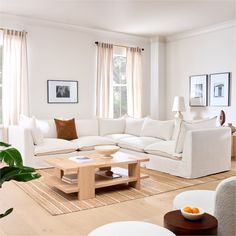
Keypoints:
pixel 175 222
pixel 127 165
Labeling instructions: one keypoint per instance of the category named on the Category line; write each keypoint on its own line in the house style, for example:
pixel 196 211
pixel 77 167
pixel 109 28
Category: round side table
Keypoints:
pixel 175 222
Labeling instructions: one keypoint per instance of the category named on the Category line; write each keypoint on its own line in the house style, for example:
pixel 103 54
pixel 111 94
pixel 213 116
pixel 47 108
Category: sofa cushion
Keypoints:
pixel 87 127
pixel 47 127
pixel 165 149
pixel 133 126
pixel 137 143
pixel 66 129
pixel 52 146
pixel 89 142
pixel 157 129
pixel 30 124
pixel 111 126
pixel 186 126
pixel 117 137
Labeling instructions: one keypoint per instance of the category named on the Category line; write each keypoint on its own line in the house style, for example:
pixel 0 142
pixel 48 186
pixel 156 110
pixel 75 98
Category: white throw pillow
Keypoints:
pixel 87 127
pixel 195 125
pixel 134 126
pixel 30 123
pixel 157 129
pixel 47 127
pixel 111 126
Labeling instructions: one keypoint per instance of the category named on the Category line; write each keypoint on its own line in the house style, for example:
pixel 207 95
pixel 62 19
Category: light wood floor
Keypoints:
pixel 28 218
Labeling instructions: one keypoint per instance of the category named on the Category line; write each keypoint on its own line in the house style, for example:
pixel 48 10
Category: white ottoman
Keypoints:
pixel 197 198
pixel 131 228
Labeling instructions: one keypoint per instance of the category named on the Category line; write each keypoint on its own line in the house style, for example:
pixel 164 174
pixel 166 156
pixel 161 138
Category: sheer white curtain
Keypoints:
pixel 134 82
pixel 15 76
pixel 104 94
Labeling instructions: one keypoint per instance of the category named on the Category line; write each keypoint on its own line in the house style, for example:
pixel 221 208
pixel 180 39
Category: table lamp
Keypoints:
pixel 178 106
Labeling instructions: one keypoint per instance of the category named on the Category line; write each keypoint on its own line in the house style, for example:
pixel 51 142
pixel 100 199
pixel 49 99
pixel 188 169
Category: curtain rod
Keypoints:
pixel 10 29
pixel 122 46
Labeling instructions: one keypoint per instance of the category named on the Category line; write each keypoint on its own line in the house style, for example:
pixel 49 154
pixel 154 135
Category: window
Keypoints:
pixel 119 82
pixel 0 77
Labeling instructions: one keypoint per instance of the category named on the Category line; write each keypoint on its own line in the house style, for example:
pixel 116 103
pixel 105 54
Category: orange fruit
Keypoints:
pixel 188 209
pixel 195 210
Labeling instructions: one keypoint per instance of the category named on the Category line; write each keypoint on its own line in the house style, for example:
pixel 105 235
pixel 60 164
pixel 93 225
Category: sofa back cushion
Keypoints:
pixel 30 124
pixel 66 129
pixel 47 127
pixel 111 126
pixel 157 128
pixel 87 127
pixel 134 126
pixel 194 125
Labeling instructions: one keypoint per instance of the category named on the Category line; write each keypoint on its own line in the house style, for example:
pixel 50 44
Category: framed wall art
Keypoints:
pixel 198 90
pixel 220 89
pixel 62 91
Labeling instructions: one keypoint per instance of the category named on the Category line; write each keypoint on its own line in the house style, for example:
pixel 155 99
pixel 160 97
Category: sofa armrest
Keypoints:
pixel 21 139
pixel 207 151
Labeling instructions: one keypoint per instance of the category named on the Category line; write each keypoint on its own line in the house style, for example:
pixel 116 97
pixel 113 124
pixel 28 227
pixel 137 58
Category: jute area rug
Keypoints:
pixel 57 202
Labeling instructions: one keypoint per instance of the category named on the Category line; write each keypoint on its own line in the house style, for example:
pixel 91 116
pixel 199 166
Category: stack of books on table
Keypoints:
pixel 70 179
pixel 108 174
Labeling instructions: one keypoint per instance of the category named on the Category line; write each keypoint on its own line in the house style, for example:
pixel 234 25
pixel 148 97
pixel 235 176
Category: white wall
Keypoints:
pixel 205 53
pixel 58 51
pixel 65 52
pixel 158 79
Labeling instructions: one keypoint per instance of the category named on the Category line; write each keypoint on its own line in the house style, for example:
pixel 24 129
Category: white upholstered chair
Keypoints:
pixel 221 203
pixel 131 228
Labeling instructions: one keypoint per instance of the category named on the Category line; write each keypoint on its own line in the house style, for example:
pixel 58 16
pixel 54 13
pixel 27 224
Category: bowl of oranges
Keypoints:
pixel 192 213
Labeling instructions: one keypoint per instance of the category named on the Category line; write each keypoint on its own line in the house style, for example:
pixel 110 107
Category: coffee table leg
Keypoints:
pixel 59 173
pixel 134 171
pixel 86 182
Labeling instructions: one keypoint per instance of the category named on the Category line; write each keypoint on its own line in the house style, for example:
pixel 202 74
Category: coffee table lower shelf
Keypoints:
pixel 100 181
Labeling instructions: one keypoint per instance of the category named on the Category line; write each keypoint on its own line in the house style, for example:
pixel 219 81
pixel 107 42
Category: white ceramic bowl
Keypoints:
pixel 193 216
pixel 107 150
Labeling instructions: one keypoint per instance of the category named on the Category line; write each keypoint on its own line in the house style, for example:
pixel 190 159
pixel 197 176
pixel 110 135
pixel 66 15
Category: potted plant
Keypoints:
pixel 12 168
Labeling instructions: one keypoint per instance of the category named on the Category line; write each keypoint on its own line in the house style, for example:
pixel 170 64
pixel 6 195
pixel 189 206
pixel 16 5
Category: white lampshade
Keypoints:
pixel 178 104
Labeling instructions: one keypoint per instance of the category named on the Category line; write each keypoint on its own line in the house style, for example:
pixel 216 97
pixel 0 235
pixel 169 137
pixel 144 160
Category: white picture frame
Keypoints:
pixel 62 91
pixel 220 89
pixel 198 94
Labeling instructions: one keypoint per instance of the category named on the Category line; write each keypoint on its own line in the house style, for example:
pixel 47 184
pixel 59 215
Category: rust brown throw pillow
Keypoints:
pixel 66 129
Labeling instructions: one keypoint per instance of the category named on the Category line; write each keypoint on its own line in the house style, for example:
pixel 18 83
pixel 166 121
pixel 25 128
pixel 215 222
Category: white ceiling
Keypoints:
pixel 145 18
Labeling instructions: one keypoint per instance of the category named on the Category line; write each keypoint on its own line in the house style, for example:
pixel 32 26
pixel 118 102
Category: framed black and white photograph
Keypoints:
pixel 198 91
pixel 219 89
pixel 62 91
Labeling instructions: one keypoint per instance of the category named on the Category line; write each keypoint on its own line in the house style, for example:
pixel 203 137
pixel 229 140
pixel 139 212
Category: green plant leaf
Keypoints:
pixel 6 213
pixel 15 169
pixel 19 174
pixel 6 169
pixel 11 156
pixel 25 177
pixel 4 144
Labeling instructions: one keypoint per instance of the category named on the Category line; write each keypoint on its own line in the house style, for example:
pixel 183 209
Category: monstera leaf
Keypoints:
pixel 7 212
pixel 20 174
pixel 10 155
pixel 14 168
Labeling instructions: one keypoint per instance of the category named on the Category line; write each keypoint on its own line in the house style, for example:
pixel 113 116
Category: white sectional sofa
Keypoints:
pixel 186 149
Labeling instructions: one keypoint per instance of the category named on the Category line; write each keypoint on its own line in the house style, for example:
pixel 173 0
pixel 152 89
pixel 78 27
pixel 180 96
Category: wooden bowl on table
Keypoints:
pixel 107 150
